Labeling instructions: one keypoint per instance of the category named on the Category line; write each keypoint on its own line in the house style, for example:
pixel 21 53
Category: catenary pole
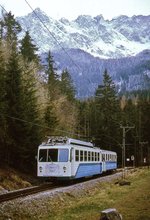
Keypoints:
pixel 125 130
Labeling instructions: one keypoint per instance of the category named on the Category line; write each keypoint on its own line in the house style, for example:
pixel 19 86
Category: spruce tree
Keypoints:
pixel 31 115
pixel 14 101
pixel 52 87
pixel 28 49
pixel 52 77
pixel 3 105
pixel 10 28
pixel 107 112
pixel 67 87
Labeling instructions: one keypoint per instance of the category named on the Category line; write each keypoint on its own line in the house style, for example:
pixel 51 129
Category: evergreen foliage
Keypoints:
pixel 28 49
pixel 50 118
pixel 67 86
pixel 3 104
pixel 52 77
pixel 107 112
pixel 10 29
pixel 31 108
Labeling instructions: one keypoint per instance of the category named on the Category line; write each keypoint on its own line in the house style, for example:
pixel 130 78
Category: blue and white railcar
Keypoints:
pixel 68 158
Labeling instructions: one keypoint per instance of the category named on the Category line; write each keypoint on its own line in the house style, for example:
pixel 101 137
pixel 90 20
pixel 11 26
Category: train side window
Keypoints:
pixel 103 157
pixel 85 155
pixel 77 155
pixel 95 156
pixel 98 156
pixel 89 155
pixel 92 156
pixel 81 155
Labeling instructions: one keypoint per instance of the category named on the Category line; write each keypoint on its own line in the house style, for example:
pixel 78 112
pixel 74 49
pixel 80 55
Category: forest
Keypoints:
pixel 36 102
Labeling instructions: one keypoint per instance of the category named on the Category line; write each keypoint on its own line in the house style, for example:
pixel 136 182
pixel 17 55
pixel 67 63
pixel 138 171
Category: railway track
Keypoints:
pixel 25 192
pixel 36 189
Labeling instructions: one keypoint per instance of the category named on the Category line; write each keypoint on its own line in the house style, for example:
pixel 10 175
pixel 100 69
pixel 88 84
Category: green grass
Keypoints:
pixel 132 201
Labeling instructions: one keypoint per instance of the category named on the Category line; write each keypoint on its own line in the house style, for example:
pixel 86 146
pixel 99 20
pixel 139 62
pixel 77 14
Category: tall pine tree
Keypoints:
pixel 52 88
pixel 107 113
pixel 67 87
pixel 3 105
pixel 28 49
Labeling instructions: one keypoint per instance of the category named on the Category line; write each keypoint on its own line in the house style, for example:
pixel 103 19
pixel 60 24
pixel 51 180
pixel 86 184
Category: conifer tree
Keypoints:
pixel 10 29
pixel 107 112
pixel 28 49
pixel 14 101
pixel 50 118
pixel 52 77
pixel 67 87
pixel 3 104
pixel 31 130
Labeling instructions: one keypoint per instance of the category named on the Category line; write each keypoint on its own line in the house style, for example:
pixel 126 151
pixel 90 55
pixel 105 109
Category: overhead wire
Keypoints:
pixel 36 124
pixel 51 34
pixel 79 68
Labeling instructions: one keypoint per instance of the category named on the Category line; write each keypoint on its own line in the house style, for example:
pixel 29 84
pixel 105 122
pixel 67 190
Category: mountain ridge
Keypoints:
pixel 88 45
pixel 120 37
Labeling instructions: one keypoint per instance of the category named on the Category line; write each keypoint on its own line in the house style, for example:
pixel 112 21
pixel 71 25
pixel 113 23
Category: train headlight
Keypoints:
pixel 40 168
pixel 64 168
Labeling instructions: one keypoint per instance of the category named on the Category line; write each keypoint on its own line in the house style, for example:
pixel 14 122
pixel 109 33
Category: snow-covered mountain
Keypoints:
pixel 122 36
pixel 88 45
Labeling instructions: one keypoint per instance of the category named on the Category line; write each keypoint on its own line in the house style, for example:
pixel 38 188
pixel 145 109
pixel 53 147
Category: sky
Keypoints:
pixel 70 9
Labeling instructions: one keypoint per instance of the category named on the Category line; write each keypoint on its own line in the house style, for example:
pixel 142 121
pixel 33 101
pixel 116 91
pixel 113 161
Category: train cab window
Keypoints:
pixel 77 155
pixel 81 155
pixel 43 155
pixel 53 155
pixel 89 155
pixel 63 155
pixel 85 155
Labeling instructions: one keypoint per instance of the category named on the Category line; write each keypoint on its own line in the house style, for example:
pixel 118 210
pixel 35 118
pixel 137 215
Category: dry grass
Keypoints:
pixel 11 180
pixel 132 201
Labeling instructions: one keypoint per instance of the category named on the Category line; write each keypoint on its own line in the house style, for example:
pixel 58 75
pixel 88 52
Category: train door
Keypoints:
pixel 103 162
pixel 72 161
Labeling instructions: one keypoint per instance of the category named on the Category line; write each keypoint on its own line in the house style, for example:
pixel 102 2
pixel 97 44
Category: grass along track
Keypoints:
pixel 132 201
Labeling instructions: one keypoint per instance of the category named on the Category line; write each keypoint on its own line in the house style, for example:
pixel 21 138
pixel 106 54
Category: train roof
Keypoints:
pixel 108 151
pixel 57 140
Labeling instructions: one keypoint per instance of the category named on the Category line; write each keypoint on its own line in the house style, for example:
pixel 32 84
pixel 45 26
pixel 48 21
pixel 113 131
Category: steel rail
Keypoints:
pixel 25 192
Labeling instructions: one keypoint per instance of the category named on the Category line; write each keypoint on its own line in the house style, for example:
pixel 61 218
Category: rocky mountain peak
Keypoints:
pixel 122 36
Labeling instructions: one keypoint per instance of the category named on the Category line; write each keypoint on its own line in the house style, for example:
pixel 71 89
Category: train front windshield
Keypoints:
pixel 53 155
